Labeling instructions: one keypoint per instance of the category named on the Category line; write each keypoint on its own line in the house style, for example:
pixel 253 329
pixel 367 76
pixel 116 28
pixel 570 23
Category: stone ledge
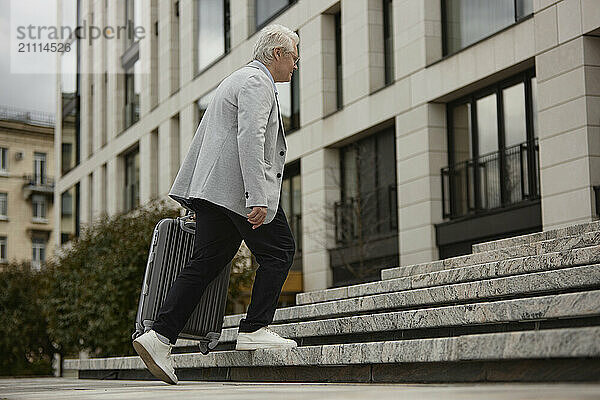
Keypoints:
pixel 581 304
pixel 521 265
pixel 538 236
pixel 523 250
pixel 562 279
pixel 552 343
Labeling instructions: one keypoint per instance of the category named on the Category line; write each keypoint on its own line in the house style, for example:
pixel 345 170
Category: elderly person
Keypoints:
pixel 231 178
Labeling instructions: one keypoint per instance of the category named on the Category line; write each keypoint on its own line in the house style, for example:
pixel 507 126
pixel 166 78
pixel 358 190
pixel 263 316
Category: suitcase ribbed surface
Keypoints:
pixel 170 251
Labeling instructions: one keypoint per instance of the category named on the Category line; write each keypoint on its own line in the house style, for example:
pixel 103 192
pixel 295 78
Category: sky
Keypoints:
pixel 31 91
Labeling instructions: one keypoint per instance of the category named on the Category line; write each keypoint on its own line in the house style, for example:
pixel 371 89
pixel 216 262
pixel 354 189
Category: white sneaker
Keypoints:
pixel 156 355
pixel 264 338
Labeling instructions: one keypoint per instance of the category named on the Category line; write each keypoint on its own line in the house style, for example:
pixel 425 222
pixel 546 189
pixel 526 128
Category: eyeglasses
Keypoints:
pixel 295 59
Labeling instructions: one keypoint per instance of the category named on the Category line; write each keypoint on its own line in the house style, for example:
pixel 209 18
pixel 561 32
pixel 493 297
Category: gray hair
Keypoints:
pixel 271 37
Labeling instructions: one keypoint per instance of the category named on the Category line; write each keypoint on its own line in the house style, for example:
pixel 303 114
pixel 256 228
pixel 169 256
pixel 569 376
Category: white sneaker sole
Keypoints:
pixel 256 346
pixel 152 366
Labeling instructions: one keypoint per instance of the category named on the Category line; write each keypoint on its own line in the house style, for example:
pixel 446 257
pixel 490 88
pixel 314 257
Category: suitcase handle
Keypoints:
pixel 186 225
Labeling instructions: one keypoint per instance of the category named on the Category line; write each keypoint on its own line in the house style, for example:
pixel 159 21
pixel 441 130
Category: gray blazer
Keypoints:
pixel 238 152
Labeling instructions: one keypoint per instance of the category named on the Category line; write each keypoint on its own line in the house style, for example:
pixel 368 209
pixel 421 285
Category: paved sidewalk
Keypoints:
pixel 66 388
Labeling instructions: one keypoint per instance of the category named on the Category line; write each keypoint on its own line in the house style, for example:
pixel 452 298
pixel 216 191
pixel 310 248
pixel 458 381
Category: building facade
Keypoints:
pixel 26 187
pixel 415 128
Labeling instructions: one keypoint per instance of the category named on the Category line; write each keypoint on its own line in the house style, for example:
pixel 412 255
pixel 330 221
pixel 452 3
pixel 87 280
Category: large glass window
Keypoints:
pixel 132 179
pixel 69 85
pixel 493 150
pixel 133 91
pixel 70 138
pixel 368 206
pixel 291 203
pixel 289 101
pixel 69 214
pixel 213 31
pixel 265 10
pixel 468 21
pixel 133 15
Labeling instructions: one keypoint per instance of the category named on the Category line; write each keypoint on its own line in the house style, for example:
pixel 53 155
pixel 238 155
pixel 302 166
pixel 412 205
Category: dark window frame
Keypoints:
pixel 226 38
pixel 388 42
pixel 446 54
pixel 272 17
pixel 497 88
pixel 338 61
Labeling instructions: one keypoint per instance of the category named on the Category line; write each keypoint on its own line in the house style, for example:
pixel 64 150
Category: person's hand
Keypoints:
pixel 257 216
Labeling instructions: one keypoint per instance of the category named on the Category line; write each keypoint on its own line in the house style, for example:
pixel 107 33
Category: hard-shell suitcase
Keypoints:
pixel 171 248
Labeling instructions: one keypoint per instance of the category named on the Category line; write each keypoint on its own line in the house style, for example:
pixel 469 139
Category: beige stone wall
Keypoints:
pixel 556 41
pixel 20 226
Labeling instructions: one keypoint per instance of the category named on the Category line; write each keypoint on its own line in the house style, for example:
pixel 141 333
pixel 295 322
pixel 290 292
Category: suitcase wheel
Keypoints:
pixel 204 348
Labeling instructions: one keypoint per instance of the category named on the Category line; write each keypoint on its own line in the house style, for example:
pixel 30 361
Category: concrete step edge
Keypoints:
pixel 572 278
pixel 588 239
pixel 552 233
pixel 551 343
pixel 567 305
pixel 529 264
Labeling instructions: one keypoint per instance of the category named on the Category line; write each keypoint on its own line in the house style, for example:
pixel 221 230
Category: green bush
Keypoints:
pixel 25 345
pixel 92 289
pixel 86 296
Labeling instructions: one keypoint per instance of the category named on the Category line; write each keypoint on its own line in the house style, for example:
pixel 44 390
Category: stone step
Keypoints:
pixel 542 308
pixel 520 265
pixel 517 286
pixel 523 250
pixel 547 344
pixel 537 237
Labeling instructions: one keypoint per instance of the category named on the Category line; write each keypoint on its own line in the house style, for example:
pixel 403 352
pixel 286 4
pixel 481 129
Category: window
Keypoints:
pixel 39 207
pixel 266 10
pixel 289 101
pixel 70 88
pixel 69 214
pixel 132 180
pixel 3 249
pixel 39 168
pixel 338 59
pixel 3 159
pixel 3 205
pixel 291 202
pixel 388 40
pixel 368 188
pixel 133 16
pixel 468 21
pixel 213 31
pixel 132 94
pixel 493 151
pixel 39 253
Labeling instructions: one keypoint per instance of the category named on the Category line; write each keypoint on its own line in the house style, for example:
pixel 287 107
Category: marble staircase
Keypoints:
pixel 520 309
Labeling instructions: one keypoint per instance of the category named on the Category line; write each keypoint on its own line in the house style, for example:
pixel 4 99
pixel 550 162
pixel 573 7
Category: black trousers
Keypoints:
pixel 219 234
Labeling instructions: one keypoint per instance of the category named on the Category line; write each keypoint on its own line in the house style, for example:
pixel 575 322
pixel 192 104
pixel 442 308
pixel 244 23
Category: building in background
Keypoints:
pixel 415 128
pixel 26 186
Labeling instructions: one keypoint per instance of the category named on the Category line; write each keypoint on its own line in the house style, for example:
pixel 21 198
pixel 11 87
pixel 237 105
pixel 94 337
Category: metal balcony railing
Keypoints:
pixel 372 214
pixel 492 181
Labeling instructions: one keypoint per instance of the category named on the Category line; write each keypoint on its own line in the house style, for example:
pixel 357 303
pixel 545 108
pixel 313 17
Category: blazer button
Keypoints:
pixel 247 195
pixel 281 153
pixel 279 175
